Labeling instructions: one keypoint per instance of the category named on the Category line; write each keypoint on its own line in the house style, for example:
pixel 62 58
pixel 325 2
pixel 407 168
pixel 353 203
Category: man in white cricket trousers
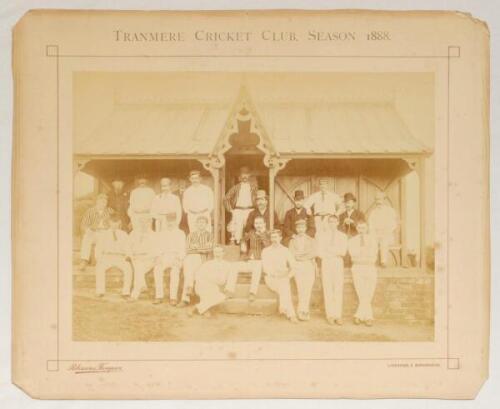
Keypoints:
pixel 198 200
pixel 363 250
pixel 215 281
pixel 278 265
pixel 163 203
pixel 171 252
pixel 143 252
pixel 303 248
pixel 332 249
pixel 113 250
pixel 382 223
pixel 199 245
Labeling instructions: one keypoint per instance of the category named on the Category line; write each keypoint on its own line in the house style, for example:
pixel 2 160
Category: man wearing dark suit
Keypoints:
pixel 348 220
pixel 297 213
pixel 118 200
pixel 262 210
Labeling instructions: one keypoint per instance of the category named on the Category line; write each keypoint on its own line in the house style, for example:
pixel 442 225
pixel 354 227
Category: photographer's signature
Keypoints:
pixel 100 367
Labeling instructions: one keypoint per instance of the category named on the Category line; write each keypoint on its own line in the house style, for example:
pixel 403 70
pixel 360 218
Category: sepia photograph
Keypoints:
pixel 243 206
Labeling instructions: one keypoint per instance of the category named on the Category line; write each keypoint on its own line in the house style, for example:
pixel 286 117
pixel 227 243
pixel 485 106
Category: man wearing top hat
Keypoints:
pixel 321 204
pixel 240 201
pixel 297 213
pixel 141 199
pixel 118 200
pixel 351 217
pixel 198 200
pixel 262 209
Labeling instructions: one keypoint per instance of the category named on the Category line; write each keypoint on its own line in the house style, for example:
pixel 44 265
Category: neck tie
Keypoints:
pixel 363 240
pixel 114 235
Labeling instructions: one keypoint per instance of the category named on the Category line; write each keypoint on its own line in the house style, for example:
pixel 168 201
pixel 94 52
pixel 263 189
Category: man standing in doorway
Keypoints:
pixel 383 223
pixel 118 200
pixel 141 199
pixel 321 204
pixel 164 203
pixel 240 201
pixel 297 213
pixel 198 200
pixel 262 210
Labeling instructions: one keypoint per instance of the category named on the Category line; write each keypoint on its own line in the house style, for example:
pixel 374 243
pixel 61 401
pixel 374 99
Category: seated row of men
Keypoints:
pixel 213 280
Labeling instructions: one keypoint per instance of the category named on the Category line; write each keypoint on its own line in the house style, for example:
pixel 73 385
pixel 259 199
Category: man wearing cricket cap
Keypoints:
pixel 240 201
pixel 198 200
pixel 303 248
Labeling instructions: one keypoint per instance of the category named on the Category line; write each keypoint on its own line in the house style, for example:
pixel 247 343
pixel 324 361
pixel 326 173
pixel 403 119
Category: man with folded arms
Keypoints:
pixel 240 201
pixel 278 265
pixel 94 221
pixel 143 252
pixel 171 251
pixel 303 248
pixel 198 200
pixel 199 246
pixel 363 250
pixel 332 250
pixel 255 241
pixel 141 199
pixel 113 250
pixel 215 281
pixel 163 203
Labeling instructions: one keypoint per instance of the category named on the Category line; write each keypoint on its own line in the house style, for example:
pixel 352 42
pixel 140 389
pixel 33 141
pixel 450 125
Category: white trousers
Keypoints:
pixel 304 278
pixel 239 221
pixel 190 265
pixel 88 240
pixel 282 287
pixel 104 263
pixel 167 261
pixel 365 281
pixel 383 243
pixel 141 266
pixel 256 269
pixel 332 280
pixel 191 218
pixel 209 289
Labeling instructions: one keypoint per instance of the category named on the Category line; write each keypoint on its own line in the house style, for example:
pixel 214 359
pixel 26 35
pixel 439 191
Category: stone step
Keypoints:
pixel 243 306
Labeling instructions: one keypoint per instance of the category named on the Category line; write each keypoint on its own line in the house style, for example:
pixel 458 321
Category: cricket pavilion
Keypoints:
pixel 290 137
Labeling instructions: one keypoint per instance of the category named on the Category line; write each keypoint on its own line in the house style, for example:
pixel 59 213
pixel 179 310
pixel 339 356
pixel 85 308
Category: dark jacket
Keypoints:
pixel 351 230
pixel 254 213
pixel 291 217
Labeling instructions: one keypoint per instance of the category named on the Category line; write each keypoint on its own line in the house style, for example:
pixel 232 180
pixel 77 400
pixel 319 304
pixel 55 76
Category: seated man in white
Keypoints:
pixel 278 265
pixel 199 246
pixel 113 250
pixel 215 281
pixel 171 251
pixel 143 252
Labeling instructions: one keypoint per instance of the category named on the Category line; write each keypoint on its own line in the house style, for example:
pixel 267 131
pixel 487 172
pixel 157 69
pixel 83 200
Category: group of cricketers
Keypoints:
pixel 320 236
